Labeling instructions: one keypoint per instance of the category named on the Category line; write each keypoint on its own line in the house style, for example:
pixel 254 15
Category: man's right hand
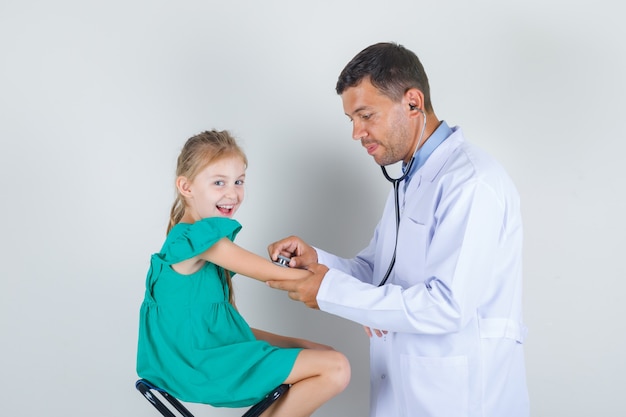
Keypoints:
pixel 301 254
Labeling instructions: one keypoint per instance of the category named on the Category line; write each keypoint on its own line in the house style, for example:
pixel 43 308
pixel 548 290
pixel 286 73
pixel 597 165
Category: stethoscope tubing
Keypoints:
pixel 396 185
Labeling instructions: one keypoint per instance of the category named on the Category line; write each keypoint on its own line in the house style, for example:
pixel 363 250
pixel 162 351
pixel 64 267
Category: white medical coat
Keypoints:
pixel 452 305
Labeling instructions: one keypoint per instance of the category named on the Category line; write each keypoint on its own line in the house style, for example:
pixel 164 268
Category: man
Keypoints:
pixel 448 317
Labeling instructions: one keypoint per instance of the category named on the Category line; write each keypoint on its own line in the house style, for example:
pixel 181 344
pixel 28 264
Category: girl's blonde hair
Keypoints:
pixel 199 152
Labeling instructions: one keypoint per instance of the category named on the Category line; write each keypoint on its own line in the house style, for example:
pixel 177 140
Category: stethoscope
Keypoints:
pixel 396 184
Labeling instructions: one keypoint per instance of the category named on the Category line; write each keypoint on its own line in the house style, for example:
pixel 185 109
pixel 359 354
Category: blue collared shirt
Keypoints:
pixel 439 135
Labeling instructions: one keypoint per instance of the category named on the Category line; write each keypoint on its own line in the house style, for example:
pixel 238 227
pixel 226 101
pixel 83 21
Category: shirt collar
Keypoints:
pixel 440 134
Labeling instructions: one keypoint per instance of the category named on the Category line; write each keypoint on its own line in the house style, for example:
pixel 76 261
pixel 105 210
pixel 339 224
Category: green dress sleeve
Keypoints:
pixel 187 240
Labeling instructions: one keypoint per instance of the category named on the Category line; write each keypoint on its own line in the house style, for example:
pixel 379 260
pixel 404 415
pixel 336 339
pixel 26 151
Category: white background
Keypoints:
pixel 97 98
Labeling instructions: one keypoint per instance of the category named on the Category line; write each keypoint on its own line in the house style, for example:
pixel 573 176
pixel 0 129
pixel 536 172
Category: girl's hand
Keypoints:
pixel 307 344
pixel 288 342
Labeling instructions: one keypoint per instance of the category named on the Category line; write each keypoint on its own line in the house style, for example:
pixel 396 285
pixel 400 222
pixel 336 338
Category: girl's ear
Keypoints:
pixel 184 186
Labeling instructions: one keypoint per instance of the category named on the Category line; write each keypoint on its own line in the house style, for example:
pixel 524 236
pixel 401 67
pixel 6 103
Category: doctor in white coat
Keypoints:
pixel 446 325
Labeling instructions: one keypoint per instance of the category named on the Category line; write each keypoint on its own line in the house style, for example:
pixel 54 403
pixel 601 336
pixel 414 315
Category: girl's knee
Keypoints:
pixel 340 370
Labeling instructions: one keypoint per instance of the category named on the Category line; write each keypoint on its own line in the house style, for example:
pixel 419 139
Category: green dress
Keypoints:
pixel 192 341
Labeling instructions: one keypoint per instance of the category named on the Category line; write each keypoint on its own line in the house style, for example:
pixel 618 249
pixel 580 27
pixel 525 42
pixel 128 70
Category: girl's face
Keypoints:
pixel 217 191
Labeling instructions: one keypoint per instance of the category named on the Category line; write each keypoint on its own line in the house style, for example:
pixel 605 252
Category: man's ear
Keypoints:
pixel 184 186
pixel 414 98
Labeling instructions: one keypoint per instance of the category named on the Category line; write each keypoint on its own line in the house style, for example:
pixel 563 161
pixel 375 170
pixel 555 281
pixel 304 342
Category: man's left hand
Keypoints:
pixel 304 289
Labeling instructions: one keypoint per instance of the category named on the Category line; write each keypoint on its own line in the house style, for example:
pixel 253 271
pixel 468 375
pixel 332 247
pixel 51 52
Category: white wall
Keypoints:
pixel 96 99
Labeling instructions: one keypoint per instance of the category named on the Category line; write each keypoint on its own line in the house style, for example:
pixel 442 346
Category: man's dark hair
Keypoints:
pixel 391 68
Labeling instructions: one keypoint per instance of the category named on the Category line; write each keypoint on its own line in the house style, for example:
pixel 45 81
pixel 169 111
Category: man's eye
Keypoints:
pixel 366 116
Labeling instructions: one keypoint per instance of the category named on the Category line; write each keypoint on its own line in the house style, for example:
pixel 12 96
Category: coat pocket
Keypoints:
pixel 435 386
pixel 413 241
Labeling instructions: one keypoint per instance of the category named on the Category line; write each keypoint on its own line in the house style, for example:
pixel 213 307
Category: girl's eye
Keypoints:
pixel 219 182
pixel 239 182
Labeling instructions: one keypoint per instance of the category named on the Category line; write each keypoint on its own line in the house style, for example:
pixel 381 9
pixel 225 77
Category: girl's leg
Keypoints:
pixel 316 377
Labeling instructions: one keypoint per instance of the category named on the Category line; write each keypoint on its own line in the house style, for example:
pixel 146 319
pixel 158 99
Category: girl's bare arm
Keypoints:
pixel 234 258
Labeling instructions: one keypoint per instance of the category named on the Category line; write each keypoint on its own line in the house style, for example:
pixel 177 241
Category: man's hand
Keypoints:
pixel 302 255
pixel 370 332
pixel 304 289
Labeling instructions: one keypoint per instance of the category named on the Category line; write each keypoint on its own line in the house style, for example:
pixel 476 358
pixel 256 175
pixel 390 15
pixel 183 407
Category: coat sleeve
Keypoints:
pixel 361 267
pixel 458 267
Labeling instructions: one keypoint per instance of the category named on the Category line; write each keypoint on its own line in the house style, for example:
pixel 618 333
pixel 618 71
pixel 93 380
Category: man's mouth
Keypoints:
pixel 371 147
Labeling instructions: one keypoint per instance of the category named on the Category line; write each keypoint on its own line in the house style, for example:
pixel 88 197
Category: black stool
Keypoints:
pixel 146 388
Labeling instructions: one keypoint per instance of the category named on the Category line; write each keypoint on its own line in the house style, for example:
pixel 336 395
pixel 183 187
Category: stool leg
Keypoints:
pixel 146 389
pixel 269 399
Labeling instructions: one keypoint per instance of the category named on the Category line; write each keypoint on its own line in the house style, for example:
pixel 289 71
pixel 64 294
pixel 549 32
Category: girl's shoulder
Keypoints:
pixel 187 240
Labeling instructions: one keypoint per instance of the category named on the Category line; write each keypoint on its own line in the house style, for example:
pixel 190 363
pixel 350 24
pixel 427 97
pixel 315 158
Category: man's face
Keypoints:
pixel 382 125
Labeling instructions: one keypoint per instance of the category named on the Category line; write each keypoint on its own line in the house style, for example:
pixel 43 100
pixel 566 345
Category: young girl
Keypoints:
pixel 192 340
